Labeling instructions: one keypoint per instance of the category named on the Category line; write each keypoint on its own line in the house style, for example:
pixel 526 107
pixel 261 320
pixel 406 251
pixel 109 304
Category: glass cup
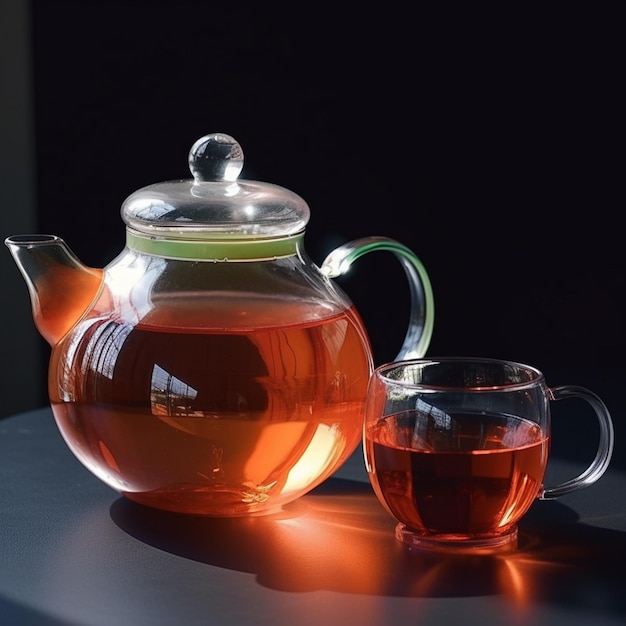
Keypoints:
pixel 456 448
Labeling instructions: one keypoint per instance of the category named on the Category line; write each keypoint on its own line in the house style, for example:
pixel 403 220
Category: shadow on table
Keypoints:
pixel 339 538
pixel 16 613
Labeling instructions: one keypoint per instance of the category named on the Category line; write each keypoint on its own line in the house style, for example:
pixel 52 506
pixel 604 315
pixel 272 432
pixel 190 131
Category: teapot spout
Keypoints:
pixel 60 286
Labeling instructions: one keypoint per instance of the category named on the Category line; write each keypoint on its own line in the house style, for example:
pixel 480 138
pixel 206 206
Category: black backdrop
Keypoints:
pixel 488 142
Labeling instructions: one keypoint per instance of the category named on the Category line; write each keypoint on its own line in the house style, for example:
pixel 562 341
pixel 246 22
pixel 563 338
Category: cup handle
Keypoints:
pixel 601 461
pixel 422 313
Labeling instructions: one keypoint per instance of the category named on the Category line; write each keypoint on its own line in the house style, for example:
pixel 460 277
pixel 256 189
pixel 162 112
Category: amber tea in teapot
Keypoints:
pixel 211 368
pixel 224 418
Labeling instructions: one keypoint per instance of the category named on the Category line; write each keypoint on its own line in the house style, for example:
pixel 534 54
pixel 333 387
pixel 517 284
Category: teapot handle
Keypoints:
pixel 421 318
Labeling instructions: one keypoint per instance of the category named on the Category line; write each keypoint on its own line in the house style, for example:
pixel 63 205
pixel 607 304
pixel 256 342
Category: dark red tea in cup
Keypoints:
pixel 474 479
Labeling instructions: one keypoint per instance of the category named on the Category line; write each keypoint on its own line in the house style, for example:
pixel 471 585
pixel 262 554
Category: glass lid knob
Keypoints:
pixel 216 157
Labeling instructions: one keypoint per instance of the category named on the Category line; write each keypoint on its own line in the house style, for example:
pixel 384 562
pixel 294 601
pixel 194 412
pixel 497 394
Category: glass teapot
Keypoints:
pixel 211 368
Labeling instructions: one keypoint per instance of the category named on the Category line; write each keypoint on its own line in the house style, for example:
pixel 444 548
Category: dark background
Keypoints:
pixel 490 141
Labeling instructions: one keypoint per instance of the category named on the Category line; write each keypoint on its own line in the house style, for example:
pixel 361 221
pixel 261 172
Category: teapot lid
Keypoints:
pixel 215 204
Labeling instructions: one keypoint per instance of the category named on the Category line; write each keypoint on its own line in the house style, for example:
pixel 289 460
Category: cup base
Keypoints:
pixel 456 543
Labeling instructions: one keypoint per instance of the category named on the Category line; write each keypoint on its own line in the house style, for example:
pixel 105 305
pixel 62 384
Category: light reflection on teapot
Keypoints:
pixel 211 368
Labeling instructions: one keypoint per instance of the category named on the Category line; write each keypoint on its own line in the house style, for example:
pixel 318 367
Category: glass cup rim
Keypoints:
pixel 383 373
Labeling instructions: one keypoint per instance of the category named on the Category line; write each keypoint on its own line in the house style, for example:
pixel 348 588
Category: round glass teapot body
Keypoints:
pixel 212 388
pixel 211 368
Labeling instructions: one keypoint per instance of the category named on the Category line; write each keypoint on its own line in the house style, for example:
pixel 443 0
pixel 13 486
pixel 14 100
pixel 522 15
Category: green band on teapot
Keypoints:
pixel 219 250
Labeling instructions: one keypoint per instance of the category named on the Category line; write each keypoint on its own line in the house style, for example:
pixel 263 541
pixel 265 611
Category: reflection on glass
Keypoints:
pixel 170 395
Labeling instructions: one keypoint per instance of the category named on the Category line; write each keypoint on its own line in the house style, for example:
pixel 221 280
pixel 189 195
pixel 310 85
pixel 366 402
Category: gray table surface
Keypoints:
pixel 74 552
